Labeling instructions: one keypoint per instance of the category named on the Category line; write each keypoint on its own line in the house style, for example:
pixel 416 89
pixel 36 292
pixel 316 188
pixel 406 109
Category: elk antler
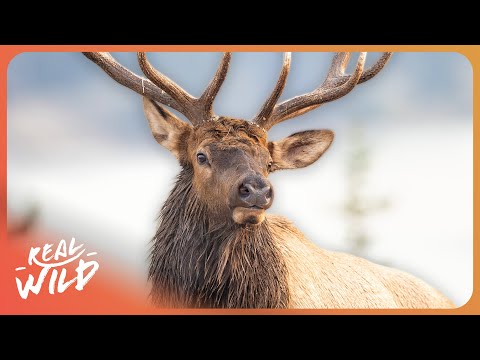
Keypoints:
pixel 163 90
pixel 336 85
pixel 269 105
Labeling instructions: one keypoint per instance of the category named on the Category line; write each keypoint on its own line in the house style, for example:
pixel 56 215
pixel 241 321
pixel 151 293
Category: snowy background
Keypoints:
pixel 81 152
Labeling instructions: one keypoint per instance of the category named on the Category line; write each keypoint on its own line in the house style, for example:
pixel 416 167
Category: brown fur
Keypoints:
pixel 318 278
pixel 230 132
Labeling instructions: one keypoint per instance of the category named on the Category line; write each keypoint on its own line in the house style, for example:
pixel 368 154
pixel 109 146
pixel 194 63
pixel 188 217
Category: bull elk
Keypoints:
pixel 215 246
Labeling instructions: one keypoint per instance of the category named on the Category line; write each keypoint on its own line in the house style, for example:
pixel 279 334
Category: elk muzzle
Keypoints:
pixel 252 196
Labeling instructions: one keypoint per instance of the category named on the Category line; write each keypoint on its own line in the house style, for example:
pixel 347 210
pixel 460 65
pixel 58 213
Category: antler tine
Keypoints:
pixel 129 79
pixel 212 89
pixel 336 85
pixel 375 68
pixel 196 110
pixel 263 116
pixel 327 92
pixel 181 97
pixel 339 64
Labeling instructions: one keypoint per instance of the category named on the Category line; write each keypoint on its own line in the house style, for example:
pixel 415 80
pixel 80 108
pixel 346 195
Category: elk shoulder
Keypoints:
pixel 318 278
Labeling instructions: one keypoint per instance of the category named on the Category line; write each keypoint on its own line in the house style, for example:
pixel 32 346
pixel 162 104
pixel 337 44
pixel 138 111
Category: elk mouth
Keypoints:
pixel 248 215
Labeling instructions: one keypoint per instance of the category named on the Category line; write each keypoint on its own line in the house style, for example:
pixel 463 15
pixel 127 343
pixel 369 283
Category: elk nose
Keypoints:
pixel 255 191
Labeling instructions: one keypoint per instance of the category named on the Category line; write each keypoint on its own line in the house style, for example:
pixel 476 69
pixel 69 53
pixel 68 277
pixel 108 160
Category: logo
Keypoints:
pixel 54 263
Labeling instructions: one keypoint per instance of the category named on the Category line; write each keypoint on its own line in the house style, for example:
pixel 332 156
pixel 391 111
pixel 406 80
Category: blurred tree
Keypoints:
pixel 24 223
pixel 359 205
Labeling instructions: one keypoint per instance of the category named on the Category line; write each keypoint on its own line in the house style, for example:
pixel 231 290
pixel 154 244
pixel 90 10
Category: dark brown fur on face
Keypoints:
pixel 236 151
pixel 198 262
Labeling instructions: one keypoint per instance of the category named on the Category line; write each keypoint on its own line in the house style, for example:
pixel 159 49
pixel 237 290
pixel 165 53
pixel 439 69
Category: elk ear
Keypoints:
pixel 167 129
pixel 300 149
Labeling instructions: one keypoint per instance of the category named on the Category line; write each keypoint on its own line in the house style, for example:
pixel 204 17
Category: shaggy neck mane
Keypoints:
pixel 196 261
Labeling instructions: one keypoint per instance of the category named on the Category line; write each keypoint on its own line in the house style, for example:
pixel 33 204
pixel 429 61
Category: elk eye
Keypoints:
pixel 201 158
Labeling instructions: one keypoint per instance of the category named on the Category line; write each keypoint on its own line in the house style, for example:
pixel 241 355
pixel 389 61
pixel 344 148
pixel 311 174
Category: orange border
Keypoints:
pixel 471 52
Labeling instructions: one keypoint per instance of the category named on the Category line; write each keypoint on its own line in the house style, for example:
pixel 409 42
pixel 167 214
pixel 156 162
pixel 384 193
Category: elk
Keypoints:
pixel 215 247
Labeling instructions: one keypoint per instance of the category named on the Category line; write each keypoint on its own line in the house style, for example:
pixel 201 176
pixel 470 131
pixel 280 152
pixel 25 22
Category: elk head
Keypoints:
pixel 232 158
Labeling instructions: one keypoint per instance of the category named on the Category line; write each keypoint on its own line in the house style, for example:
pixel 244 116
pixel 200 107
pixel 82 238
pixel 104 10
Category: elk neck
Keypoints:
pixel 201 260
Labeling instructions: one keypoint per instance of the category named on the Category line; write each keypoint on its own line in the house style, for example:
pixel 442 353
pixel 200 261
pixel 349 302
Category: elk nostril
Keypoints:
pixel 268 192
pixel 244 191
